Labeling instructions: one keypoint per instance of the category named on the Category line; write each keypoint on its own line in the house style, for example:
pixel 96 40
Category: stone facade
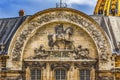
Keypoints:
pixel 59 42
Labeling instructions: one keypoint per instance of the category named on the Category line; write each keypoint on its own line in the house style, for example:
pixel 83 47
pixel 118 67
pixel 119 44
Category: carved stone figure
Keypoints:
pixel 50 41
pixel 16 55
pixel 40 53
pixel 104 58
pixel 61 37
pixel 81 53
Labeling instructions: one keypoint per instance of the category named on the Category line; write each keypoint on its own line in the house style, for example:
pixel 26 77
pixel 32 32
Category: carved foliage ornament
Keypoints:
pixel 70 17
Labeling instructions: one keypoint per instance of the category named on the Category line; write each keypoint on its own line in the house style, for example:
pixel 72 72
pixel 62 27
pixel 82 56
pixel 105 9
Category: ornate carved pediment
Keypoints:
pixel 61 44
pixel 70 17
pixel 64 25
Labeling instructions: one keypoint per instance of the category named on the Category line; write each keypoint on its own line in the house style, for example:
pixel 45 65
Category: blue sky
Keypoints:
pixel 10 8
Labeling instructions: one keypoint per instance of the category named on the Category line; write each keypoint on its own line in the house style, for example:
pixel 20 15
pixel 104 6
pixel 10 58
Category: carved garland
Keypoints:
pixel 97 36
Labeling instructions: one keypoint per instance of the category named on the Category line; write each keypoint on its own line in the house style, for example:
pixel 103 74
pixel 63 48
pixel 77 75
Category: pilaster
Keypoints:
pixel 28 74
pixel 47 71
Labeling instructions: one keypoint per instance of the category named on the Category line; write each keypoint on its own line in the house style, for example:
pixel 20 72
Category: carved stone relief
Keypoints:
pixel 61 36
pixel 104 58
pixel 77 53
pixel 81 53
pixel 93 31
pixel 40 53
pixel 60 65
pixel 60 44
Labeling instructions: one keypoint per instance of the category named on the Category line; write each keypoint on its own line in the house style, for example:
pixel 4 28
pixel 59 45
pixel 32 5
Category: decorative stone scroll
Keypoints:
pixel 35 65
pixel 71 17
pixel 60 65
pixel 84 64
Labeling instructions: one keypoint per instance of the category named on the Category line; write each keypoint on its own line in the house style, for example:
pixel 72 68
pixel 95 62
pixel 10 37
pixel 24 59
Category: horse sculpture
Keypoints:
pixel 61 38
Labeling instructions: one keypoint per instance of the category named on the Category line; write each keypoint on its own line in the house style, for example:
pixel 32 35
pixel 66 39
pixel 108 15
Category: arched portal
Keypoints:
pixel 60 37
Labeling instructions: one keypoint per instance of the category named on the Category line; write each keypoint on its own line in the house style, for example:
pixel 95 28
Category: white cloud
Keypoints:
pixel 33 6
pixel 81 2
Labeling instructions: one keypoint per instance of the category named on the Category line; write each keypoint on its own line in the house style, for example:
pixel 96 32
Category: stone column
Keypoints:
pixel 47 71
pixel 43 73
pixel 71 72
pixel 68 75
pixel 75 74
pixel 51 72
pixel 28 74
pixel 92 74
